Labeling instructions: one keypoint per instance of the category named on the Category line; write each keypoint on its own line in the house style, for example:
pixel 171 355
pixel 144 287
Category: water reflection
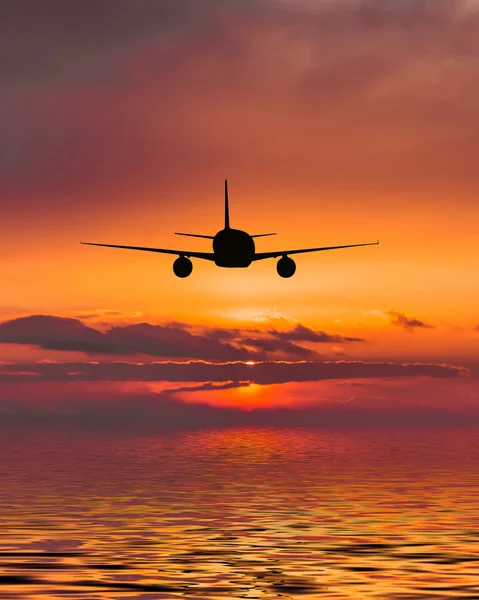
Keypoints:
pixel 240 513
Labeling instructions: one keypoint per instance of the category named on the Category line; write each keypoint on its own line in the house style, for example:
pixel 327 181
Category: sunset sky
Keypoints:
pixel 335 122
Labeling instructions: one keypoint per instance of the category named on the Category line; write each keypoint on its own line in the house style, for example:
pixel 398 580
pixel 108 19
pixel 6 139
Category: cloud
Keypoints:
pixel 272 316
pixel 170 340
pixel 207 387
pixel 379 74
pixel 284 346
pixel 265 373
pixel 301 333
pixel 62 41
pixel 262 341
pixel 409 323
pixel 274 340
pixel 129 405
pixel 52 333
pixel 102 313
pixel 375 313
pixel 58 333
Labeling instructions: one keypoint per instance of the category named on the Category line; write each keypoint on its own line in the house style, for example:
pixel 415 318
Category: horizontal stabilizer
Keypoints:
pixel 197 235
pixel 262 235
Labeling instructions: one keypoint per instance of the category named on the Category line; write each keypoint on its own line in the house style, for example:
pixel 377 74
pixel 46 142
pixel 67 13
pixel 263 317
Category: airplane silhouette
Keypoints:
pixel 232 248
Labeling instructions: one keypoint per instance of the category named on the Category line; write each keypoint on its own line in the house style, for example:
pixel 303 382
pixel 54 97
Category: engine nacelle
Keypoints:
pixel 286 267
pixel 182 267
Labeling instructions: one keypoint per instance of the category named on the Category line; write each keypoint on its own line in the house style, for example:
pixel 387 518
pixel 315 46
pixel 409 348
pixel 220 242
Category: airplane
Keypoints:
pixel 232 248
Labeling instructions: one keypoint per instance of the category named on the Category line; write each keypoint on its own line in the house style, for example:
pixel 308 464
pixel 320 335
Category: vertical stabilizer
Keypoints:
pixel 227 210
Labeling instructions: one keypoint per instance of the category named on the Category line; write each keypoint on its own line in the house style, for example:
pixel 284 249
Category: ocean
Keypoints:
pixel 260 513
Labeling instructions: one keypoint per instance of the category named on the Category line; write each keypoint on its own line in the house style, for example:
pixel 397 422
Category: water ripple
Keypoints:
pixel 240 514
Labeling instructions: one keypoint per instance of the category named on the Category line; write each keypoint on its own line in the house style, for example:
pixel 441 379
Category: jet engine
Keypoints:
pixel 286 267
pixel 182 267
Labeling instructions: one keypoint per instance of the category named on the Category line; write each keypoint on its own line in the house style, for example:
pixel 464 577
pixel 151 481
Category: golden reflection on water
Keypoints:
pixel 240 513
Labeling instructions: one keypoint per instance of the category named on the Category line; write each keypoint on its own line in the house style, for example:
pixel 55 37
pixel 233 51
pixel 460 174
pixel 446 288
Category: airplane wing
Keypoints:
pixel 187 253
pixel 263 255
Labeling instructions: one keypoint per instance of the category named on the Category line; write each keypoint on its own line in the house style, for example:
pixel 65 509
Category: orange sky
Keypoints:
pixel 334 123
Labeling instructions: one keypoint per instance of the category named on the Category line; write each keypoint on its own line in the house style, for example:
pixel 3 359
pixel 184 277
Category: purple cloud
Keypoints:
pixel 351 76
pixel 271 345
pixel 409 323
pixel 58 333
pixel 52 333
pixel 111 405
pixel 77 40
pixel 170 340
pixel 199 371
pixel 207 387
pixel 304 334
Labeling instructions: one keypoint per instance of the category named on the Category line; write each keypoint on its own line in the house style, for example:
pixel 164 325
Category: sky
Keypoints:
pixel 335 123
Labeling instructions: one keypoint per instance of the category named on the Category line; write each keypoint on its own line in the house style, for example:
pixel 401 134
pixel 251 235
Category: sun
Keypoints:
pixel 250 362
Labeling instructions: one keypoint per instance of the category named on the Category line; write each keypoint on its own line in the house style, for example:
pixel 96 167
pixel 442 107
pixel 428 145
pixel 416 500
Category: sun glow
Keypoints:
pixel 250 362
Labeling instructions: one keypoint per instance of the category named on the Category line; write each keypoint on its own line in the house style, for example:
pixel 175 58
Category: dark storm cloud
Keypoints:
pixel 410 323
pixel 264 373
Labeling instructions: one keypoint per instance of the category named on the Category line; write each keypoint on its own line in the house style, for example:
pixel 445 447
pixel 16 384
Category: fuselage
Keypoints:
pixel 233 248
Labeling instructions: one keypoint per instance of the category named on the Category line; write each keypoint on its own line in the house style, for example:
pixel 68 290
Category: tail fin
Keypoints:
pixel 227 210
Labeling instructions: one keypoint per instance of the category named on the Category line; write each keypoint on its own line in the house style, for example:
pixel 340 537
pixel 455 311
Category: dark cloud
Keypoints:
pixel 70 41
pixel 271 345
pixel 281 341
pixel 166 340
pixel 106 313
pixel 269 372
pixel 57 333
pixel 410 323
pixel 172 340
pixel 207 387
pixel 52 333
pixel 228 333
pixel 303 334
pixel 392 77
pixel 103 406
pixel 56 38
pixel 107 408
pixel 255 338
